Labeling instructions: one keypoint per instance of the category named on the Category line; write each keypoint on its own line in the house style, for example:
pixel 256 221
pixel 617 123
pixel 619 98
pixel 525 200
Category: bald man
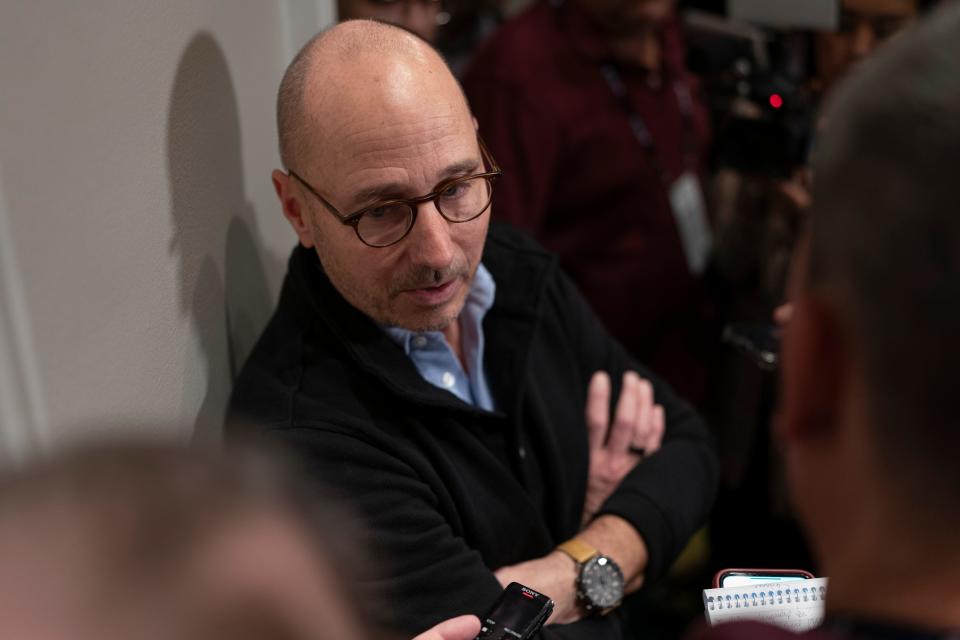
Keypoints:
pixel 443 374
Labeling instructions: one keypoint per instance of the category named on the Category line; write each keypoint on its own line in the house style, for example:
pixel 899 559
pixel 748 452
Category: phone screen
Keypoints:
pixel 518 613
pixel 744 579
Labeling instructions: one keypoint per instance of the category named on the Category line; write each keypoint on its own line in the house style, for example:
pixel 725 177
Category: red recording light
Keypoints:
pixel 776 101
pixel 527 595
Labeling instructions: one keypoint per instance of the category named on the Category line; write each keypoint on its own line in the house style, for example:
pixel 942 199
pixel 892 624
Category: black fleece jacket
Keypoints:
pixel 449 492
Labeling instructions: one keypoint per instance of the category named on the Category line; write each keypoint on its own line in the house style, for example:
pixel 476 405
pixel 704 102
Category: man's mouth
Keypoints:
pixel 435 294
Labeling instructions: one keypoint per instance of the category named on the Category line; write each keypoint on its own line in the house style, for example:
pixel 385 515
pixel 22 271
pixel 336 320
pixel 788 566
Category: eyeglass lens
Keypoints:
pixel 457 202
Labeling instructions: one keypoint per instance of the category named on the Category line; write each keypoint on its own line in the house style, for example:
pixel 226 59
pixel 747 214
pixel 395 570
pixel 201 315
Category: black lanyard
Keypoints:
pixel 640 130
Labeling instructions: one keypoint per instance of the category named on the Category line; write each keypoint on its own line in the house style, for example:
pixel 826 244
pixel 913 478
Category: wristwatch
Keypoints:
pixel 599 581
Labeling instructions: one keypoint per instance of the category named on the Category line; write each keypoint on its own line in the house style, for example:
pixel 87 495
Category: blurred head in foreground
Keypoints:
pixel 869 413
pixel 144 541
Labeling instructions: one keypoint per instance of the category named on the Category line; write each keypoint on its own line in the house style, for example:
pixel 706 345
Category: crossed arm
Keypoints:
pixel 427 530
pixel 615 449
pixel 434 574
pixel 617 445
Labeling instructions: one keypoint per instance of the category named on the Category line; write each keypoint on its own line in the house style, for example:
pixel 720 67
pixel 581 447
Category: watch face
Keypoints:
pixel 601 582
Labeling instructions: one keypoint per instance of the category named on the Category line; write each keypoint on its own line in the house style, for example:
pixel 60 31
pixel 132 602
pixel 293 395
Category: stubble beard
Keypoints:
pixel 379 308
pixel 422 278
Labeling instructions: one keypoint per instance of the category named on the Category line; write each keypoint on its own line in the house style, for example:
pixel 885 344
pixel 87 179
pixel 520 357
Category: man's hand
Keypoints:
pixel 616 447
pixel 460 628
pixel 555 574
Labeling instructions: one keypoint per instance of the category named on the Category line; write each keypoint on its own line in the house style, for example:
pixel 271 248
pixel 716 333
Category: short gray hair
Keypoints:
pixel 885 228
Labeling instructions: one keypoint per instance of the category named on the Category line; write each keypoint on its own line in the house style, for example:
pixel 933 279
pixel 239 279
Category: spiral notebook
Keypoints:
pixel 797 606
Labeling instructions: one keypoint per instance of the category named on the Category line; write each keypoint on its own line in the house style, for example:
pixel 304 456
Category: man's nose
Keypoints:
pixel 431 243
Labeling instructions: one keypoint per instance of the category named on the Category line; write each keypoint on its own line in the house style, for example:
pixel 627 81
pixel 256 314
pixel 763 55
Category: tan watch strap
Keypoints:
pixel 577 549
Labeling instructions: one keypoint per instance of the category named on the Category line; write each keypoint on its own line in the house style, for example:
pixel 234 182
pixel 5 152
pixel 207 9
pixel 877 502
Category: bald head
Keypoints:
pixel 885 250
pixel 354 60
pixel 369 114
pixel 146 541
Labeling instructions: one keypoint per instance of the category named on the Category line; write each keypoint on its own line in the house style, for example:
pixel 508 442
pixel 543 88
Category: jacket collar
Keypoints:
pixel 509 326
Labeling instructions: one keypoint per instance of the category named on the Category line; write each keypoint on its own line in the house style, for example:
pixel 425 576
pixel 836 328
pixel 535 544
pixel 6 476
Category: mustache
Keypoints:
pixel 424 277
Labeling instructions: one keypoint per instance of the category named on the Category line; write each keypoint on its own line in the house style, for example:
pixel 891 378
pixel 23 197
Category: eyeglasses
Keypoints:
pixel 389 221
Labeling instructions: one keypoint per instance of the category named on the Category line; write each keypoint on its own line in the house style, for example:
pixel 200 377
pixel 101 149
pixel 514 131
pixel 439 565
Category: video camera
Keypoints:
pixel 756 64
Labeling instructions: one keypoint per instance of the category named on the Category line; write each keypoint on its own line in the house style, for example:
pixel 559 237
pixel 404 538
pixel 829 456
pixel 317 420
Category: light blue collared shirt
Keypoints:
pixel 436 361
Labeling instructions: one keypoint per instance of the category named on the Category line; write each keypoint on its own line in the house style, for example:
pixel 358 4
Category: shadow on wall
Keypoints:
pixel 221 279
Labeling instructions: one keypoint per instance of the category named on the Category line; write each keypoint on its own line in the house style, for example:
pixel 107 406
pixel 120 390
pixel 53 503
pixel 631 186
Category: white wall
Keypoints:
pixel 137 219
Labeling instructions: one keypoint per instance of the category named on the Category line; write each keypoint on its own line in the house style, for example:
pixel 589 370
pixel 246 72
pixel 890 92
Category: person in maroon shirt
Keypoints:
pixel 422 17
pixel 564 94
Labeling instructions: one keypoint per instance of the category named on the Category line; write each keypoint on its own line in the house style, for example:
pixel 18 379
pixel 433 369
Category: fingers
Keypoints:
pixel 638 423
pixel 654 431
pixel 625 419
pixel 782 314
pixel 460 628
pixel 795 193
pixel 644 422
pixel 598 409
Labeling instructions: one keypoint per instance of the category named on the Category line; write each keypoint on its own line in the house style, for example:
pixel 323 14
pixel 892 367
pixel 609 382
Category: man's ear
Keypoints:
pixel 815 369
pixel 293 209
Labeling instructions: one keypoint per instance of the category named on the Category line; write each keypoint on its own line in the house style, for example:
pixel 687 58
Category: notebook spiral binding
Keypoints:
pixel 767 597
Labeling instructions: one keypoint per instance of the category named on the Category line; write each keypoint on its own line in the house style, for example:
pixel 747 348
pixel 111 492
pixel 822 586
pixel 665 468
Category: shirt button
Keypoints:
pixel 419 342
pixel 448 380
pixel 522 452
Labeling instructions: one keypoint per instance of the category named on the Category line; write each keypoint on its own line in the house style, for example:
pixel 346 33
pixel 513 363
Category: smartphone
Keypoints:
pixel 745 577
pixel 517 614
pixel 759 342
